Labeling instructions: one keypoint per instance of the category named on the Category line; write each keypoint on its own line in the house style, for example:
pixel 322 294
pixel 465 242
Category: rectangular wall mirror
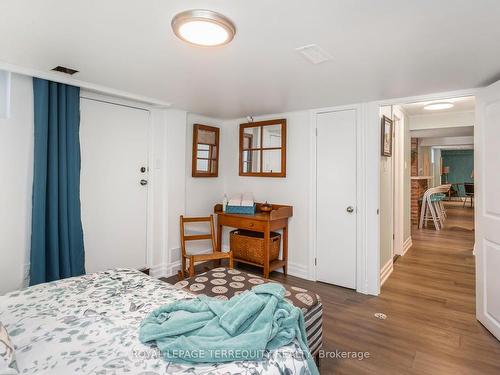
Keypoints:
pixel 263 148
pixel 205 151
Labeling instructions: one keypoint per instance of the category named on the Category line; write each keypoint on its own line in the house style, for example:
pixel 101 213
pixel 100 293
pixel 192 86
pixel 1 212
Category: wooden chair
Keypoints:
pixel 197 258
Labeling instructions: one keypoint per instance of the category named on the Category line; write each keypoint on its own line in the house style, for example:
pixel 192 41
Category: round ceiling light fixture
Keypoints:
pixel 203 28
pixel 438 105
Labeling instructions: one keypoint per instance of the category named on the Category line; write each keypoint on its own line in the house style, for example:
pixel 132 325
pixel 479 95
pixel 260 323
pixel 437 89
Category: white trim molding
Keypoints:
pixel 64 78
pixel 173 268
pixel 407 245
pixel 297 270
pixel 159 270
pixel 386 271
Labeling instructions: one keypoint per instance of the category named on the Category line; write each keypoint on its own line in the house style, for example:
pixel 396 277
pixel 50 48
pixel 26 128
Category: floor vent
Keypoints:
pixel 380 316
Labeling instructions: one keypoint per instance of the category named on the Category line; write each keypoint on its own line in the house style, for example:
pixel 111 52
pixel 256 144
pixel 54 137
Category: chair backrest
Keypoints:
pixel 469 188
pixel 443 188
pixel 435 190
pixel 197 237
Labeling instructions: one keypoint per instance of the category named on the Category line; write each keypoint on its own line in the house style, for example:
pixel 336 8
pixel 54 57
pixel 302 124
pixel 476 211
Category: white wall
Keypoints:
pixel 292 190
pixel 407 183
pixel 16 171
pixel 176 182
pixel 447 141
pixel 386 200
pixel 201 194
pixel 5 80
pixel 395 200
pixel 442 120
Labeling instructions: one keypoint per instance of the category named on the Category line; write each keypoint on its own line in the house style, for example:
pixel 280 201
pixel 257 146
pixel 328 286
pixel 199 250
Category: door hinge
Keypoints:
pixel 315 261
pixel 316 131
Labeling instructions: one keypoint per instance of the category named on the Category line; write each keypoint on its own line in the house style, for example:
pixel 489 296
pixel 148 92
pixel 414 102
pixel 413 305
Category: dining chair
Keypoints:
pixel 469 193
pixel 200 258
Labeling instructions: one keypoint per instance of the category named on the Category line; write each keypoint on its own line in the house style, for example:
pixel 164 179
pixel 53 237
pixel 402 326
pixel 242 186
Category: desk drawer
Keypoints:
pixel 243 223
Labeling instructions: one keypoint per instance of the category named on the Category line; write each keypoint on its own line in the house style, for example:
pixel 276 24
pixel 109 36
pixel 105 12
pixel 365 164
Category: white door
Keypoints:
pixel 336 198
pixel 114 147
pixel 487 211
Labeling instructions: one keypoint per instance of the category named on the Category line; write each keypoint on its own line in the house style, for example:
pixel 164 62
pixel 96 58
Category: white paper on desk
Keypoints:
pixel 235 201
pixel 247 200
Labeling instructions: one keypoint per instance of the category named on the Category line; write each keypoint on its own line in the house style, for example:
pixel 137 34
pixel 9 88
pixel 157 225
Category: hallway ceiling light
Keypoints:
pixel 439 105
pixel 203 28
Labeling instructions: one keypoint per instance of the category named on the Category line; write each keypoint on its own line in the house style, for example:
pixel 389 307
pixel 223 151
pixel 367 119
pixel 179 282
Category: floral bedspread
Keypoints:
pixel 89 325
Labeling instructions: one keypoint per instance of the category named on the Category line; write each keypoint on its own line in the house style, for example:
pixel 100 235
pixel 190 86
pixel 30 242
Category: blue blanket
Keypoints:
pixel 211 330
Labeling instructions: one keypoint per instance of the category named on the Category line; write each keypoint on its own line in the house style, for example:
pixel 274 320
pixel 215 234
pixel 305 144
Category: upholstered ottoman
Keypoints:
pixel 224 283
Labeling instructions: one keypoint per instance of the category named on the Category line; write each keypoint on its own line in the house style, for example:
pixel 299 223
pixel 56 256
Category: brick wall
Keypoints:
pixel 418 188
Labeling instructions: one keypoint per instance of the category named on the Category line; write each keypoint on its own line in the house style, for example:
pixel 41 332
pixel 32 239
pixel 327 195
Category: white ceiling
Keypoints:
pixel 463 104
pixel 380 49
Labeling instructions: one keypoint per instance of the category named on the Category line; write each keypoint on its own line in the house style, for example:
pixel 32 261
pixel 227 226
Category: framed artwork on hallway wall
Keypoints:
pixel 386 136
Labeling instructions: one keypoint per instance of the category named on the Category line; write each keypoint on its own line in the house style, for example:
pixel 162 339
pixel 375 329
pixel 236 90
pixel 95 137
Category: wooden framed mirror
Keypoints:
pixel 205 151
pixel 263 148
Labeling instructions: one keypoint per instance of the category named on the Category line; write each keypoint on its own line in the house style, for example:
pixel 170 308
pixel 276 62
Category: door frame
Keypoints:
pixel 361 265
pixel 398 180
pixel 150 213
pixel 373 180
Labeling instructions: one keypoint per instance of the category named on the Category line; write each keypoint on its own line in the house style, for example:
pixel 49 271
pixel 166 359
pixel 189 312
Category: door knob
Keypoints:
pixel 144 182
pixel 350 209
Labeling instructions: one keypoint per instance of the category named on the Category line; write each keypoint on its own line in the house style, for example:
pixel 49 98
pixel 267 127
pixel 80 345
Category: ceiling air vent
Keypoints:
pixel 314 53
pixel 65 70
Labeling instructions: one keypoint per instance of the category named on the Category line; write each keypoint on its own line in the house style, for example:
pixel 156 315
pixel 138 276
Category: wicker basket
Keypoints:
pixel 249 246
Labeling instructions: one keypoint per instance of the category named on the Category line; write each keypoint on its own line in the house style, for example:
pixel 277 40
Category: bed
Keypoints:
pixel 225 283
pixel 89 325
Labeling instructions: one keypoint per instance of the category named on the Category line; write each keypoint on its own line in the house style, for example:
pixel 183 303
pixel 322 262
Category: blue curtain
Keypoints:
pixel 56 229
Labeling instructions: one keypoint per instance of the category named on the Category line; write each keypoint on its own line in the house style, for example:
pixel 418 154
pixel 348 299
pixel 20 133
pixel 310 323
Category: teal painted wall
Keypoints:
pixel 461 163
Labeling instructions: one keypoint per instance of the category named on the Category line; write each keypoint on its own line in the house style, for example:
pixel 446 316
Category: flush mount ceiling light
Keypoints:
pixel 439 105
pixel 203 28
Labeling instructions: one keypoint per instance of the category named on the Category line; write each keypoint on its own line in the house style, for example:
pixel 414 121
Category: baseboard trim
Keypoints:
pixel 407 245
pixel 294 269
pixel 173 268
pixel 386 271
pixel 297 270
pixel 160 270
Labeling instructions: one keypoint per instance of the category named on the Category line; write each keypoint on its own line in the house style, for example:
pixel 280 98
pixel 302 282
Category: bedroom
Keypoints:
pixel 133 69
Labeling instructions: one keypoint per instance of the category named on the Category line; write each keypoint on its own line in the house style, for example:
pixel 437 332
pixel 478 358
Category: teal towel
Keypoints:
pixel 210 330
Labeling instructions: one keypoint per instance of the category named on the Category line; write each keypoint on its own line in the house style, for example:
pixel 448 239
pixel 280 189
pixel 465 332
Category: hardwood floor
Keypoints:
pixel 429 301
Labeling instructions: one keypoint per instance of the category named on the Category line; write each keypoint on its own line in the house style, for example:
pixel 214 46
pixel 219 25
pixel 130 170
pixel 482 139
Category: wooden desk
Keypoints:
pixel 263 222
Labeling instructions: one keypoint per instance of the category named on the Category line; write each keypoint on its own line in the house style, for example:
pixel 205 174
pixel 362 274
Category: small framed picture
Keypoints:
pixel 386 136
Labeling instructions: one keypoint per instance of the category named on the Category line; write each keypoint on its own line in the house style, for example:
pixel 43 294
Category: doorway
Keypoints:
pixel 430 139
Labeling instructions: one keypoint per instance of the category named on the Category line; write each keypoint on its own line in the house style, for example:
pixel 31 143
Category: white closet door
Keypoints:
pixel 336 198
pixel 114 147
